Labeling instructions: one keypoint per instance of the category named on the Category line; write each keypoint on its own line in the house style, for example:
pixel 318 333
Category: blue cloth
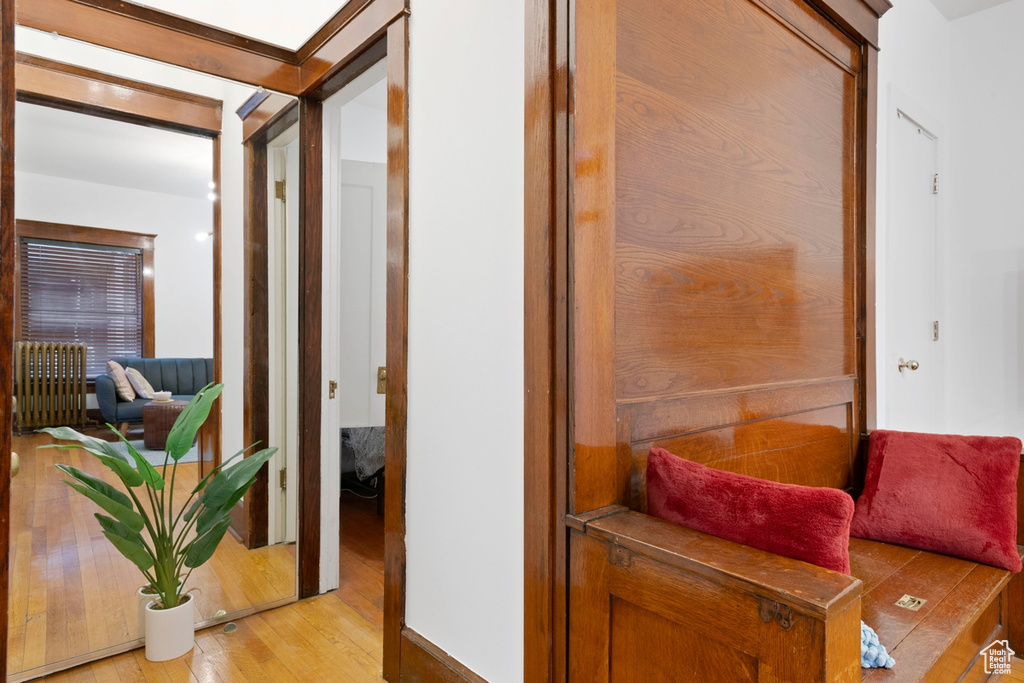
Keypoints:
pixel 872 652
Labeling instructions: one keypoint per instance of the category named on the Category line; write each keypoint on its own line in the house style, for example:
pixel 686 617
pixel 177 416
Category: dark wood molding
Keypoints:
pixel 212 436
pixel 100 236
pixel 65 86
pixel 7 97
pixel 256 335
pixel 363 61
pixel 545 360
pixel 164 37
pixel 266 114
pixel 310 335
pixel 424 661
pixel 350 38
pixel 172 39
pixel 396 402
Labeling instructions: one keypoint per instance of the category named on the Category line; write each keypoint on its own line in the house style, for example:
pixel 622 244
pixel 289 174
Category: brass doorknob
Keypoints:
pixel 909 364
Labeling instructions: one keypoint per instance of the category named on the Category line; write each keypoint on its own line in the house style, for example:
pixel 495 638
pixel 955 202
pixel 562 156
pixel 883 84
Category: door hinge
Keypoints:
pixel 935 184
pixel 282 476
pixel 935 331
pixel 280 189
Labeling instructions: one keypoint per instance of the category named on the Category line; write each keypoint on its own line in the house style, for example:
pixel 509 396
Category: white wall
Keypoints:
pixel 464 510
pixel 182 267
pixel 986 251
pixel 913 67
pixel 233 95
pixel 964 76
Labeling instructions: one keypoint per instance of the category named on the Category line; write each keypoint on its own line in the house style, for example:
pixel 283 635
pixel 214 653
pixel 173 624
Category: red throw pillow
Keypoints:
pixel 801 522
pixel 955 495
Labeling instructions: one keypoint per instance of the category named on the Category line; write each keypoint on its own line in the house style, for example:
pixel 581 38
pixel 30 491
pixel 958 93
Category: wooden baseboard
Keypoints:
pixel 422 661
pixel 240 523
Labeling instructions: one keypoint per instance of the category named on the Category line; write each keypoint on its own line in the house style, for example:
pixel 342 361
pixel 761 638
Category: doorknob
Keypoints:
pixel 909 364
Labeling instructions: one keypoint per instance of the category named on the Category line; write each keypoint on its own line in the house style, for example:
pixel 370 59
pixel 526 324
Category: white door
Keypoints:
pixel 912 372
pixel 354 283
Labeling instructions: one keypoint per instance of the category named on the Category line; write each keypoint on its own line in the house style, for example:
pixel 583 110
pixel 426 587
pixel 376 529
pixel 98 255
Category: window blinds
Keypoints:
pixel 82 293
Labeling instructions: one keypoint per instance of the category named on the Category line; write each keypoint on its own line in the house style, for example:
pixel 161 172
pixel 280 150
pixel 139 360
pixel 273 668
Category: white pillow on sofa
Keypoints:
pixel 142 387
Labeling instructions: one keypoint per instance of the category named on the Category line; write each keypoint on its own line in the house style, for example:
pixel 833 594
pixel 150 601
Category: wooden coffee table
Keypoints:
pixel 157 420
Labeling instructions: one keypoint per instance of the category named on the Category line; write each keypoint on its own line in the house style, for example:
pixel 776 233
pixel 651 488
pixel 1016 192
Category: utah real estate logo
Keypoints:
pixel 998 656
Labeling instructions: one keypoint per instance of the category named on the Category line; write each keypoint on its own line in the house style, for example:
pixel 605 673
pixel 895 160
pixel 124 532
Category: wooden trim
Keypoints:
pixel 363 61
pixel 156 35
pixel 256 335
pixel 265 115
pixel 99 236
pixel 424 661
pixel 7 97
pixel 396 401
pixel 869 385
pixel 65 86
pixel 310 336
pixel 213 435
pixel 352 37
pixel 546 329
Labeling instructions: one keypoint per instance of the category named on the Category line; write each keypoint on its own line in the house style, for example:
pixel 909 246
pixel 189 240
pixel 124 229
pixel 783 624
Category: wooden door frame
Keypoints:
pixel 348 42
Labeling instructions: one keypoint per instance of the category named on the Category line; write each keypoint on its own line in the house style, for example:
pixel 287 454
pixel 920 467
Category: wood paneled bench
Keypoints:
pixel 666 603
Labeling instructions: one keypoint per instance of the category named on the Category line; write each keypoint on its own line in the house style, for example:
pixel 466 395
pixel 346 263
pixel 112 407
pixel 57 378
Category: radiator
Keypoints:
pixel 49 384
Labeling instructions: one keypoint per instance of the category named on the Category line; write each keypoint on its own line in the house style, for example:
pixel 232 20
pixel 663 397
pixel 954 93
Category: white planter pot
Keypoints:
pixel 143 599
pixel 170 633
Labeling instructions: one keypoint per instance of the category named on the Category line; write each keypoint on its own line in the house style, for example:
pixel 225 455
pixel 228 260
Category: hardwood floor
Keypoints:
pixel 337 636
pixel 1016 674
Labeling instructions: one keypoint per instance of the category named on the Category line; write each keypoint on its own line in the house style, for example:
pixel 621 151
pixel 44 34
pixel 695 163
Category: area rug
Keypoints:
pixel 156 458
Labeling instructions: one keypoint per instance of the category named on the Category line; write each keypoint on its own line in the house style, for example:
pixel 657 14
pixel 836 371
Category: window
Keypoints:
pixel 90 285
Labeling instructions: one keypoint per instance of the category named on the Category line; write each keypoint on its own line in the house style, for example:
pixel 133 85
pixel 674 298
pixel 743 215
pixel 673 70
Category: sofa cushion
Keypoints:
pixel 122 386
pixel 142 387
pixel 951 494
pixel 801 522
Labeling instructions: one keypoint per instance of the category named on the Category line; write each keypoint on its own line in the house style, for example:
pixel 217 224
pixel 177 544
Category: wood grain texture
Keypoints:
pixel 310 304
pixel 256 333
pixel 265 114
pixel 397 333
pixel 545 331
pixel 63 86
pixel 424 662
pixel 156 35
pixel 7 237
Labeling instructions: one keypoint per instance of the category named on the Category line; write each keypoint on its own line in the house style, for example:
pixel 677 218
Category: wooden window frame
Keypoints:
pixel 101 237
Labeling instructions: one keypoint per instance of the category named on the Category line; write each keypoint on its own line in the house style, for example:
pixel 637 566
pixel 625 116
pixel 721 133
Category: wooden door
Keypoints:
pixel 717 238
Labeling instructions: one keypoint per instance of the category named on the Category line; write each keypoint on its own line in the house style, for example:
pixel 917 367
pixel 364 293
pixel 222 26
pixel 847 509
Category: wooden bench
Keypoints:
pixel 664 602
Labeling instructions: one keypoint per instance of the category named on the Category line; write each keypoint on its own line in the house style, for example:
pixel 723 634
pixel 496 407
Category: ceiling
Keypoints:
pixel 954 9
pixel 286 23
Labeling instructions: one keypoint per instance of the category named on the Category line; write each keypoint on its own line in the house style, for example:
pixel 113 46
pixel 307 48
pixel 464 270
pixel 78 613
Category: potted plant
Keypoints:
pixel 165 538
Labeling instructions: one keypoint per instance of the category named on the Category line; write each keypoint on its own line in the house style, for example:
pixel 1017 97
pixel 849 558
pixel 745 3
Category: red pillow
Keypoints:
pixel 801 522
pixel 955 495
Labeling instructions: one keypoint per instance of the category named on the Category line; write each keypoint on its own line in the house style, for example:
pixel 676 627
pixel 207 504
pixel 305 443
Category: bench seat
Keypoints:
pixel 962 612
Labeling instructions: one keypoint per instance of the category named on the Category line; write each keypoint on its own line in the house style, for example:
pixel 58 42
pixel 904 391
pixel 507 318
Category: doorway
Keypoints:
pixel 912 371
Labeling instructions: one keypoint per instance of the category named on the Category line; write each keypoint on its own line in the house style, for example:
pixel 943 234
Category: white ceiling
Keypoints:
pixel 954 9
pixel 69 145
pixel 288 23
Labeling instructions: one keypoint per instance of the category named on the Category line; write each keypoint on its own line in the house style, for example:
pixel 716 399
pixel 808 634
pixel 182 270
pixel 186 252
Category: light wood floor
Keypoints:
pixel 1016 674
pixel 62 568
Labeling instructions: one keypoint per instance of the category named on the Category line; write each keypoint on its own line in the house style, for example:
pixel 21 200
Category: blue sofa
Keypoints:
pixel 183 377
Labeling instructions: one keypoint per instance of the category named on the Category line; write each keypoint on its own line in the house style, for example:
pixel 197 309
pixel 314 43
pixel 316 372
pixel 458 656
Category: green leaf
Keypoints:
pixel 125 515
pixel 97 485
pixel 192 509
pixel 123 470
pixel 183 432
pixel 227 483
pixel 128 542
pixel 209 516
pixel 93 445
pixel 216 470
pixel 202 548
pixel 146 471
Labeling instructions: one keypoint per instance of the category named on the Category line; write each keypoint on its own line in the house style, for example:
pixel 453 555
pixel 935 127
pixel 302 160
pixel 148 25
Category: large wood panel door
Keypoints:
pixel 718 230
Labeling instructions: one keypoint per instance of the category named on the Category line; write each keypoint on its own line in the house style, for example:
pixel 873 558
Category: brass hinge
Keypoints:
pixel 279 189
pixel 282 476
pixel 935 184
pixel 769 611
pixel 935 330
